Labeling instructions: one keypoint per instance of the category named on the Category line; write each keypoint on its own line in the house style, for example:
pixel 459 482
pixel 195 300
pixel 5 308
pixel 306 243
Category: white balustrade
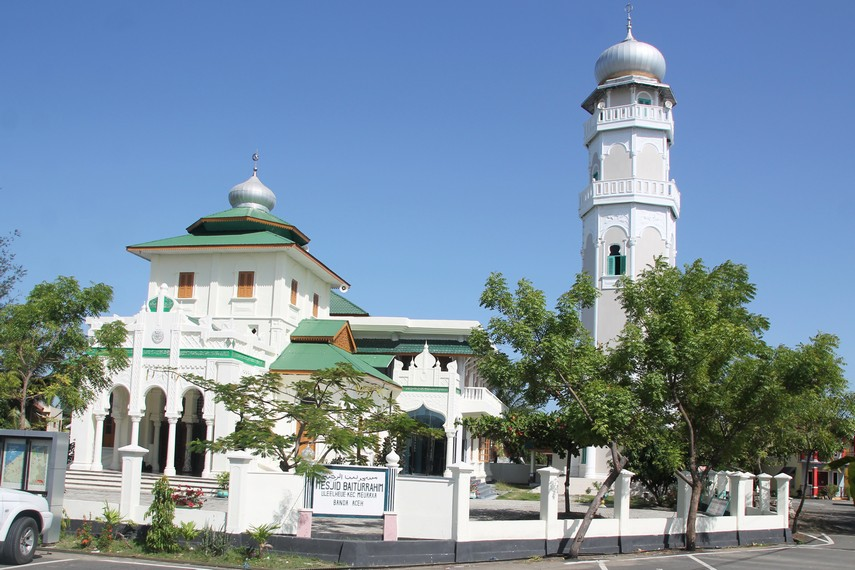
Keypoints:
pixel 641 187
pixel 623 113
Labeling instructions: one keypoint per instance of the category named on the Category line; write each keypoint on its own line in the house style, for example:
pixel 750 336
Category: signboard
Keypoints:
pixel 717 507
pixel 348 491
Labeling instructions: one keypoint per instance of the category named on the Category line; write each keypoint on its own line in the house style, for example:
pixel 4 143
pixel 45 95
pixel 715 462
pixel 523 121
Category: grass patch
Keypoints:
pixel 511 492
pixel 233 558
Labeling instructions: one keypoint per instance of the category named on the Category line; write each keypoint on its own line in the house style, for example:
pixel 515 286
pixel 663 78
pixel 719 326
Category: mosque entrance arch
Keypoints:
pixel 423 455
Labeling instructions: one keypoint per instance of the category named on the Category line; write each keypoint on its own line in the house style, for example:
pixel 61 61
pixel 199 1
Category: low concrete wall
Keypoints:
pixel 423 505
pixel 513 473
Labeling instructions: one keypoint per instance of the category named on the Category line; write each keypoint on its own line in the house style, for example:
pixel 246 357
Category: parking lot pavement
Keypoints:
pixel 48 559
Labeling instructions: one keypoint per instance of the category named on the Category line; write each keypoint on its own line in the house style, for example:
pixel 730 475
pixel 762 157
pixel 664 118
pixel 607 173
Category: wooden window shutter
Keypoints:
pixel 185 285
pixel 246 284
pixel 315 302
pixel 294 291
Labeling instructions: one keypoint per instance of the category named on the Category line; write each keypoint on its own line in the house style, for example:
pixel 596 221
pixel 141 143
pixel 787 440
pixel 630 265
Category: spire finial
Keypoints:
pixel 255 163
pixel 628 9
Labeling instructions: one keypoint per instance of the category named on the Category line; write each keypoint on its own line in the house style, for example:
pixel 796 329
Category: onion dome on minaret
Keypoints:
pixel 252 193
pixel 630 57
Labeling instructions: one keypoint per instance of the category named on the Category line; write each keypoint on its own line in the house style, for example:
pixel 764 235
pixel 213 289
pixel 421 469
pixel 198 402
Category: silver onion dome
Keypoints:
pixel 630 57
pixel 252 193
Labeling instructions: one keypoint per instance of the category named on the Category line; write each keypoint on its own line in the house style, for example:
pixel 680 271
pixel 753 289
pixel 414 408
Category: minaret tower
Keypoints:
pixel 629 209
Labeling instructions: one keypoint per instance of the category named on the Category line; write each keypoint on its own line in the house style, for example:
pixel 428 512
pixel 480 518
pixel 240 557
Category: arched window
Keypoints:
pixel 644 98
pixel 617 262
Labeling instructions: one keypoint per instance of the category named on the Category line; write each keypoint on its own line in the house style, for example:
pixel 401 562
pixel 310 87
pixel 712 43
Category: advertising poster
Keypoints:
pixel 13 464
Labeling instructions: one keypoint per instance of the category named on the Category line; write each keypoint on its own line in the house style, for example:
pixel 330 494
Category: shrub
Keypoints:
pixel 162 534
pixel 188 497
pixel 260 534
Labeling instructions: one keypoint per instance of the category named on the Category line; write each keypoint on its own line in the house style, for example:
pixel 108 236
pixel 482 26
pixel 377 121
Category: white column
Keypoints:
pixel 238 469
pixel 129 500
pixel 461 474
pixel 155 446
pixel 622 493
pixel 208 458
pixel 121 420
pixel 99 441
pixel 782 486
pixel 135 429
pixel 188 437
pixel 549 489
pixel 591 463
pixel 169 468
pixel 684 496
pixel 765 501
pixel 449 453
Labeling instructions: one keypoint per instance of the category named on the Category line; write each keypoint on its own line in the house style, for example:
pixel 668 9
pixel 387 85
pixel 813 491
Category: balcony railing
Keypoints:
pixel 655 191
pixel 656 117
pixel 480 400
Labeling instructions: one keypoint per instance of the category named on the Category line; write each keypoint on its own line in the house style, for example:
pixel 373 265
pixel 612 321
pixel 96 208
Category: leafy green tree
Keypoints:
pixel 10 272
pixel 818 411
pixel 45 353
pixel 335 410
pixel 548 356
pixel 691 338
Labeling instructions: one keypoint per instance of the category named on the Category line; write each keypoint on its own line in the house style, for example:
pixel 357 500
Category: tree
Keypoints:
pixel 548 356
pixel 334 411
pixel 10 272
pixel 45 353
pixel 817 408
pixel 691 337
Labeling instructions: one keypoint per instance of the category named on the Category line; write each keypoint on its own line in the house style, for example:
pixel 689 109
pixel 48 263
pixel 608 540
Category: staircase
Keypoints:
pixel 111 481
pixel 485 491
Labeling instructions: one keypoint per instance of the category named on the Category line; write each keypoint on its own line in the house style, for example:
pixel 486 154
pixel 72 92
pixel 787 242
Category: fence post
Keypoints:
pixel 461 473
pixel 622 495
pixel 765 493
pixel 129 500
pixel 684 496
pixel 549 500
pixel 782 485
pixel 238 469
pixel 390 517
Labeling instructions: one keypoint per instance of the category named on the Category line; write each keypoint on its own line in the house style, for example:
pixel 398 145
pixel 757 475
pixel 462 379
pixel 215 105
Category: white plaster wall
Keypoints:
pixel 273 497
pixel 617 163
pixel 424 508
pixel 650 163
pixel 648 248
pixel 215 290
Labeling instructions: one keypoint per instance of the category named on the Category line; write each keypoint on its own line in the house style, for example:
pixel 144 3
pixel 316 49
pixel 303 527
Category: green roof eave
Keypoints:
pixel 262 238
pixel 318 328
pixel 241 220
pixel 378 361
pixel 413 346
pixel 309 357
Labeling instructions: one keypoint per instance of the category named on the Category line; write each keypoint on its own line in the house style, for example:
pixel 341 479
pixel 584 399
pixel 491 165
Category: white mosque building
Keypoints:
pixel 239 294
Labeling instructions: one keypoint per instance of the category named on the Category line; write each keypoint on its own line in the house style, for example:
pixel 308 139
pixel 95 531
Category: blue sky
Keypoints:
pixel 422 145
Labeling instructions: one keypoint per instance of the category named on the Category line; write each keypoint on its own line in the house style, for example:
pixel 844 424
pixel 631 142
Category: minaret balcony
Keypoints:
pixel 624 116
pixel 639 190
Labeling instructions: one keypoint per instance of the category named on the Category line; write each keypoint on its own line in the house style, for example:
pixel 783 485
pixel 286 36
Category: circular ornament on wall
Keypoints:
pixel 157 336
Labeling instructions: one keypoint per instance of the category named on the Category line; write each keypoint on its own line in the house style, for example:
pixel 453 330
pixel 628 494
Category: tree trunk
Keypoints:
pixel 576 546
pixel 22 418
pixel 804 493
pixel 692 516
pixel 567 484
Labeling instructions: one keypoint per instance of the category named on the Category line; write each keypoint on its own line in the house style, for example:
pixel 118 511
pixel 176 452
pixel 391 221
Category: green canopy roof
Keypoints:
pixel 243 220
pixel 341 307
pixel 310 357
pixel 318 328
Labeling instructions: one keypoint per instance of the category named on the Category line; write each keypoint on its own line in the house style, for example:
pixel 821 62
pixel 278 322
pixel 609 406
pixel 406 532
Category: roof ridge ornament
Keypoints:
pixel 255 163
pixel 628 9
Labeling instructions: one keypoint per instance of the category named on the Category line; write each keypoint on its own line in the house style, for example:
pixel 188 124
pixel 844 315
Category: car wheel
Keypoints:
pixel 21 541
